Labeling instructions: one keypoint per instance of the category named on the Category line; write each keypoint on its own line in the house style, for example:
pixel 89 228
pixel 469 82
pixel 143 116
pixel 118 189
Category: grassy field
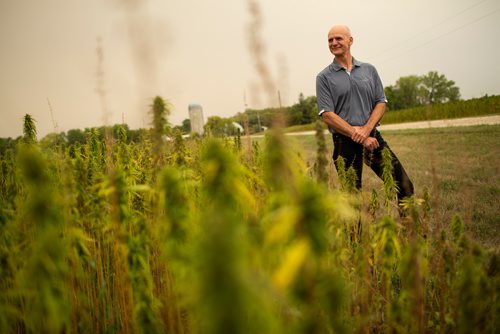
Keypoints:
pixel 459 165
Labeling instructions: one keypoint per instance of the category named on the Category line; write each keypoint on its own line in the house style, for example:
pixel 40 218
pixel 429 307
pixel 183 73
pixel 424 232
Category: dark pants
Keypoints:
pixel 354 154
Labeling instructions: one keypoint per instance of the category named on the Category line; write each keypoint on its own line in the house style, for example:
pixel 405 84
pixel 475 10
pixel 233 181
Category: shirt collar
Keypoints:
pixel 336 67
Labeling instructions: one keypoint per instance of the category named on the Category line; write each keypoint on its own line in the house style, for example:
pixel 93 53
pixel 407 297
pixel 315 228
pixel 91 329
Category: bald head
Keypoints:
pixel 340 29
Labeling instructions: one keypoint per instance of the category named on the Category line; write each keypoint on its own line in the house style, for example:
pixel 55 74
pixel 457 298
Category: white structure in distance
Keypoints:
pixel 196 118
pixel 238 126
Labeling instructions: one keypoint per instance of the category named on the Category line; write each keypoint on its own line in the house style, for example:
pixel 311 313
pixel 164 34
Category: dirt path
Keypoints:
pixel 495 119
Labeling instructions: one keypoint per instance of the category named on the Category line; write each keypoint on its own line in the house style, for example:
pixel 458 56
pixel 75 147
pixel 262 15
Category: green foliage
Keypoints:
pixel 321 165
pixel 404 94
pixel 347 177
pixel 29 130
pixel 135 231
pixel 42 275
pixel 302 112
pixel 374 203
pixel 256 119
pixel 276 169
pixel 487 105
pixel 437 89
pixel 225 300
pixel 185 127
pixel 176 207
pixel 457 226
pixel 412 91
pixel 390 190
pixel 220 127
pixel 6 144
pixel 160 110
pixel 225 235
pixel 75 136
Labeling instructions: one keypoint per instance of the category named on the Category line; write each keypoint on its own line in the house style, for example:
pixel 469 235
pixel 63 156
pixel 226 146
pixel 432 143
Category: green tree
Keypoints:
pixel 413 91
pixel 435 88
pixel 404 94
pixel 294 115
pixel 186 126
pixel 256 119
pixel 53 139
pixel 312 108
pixel 75 136
pixel 219 127
pixel 303 111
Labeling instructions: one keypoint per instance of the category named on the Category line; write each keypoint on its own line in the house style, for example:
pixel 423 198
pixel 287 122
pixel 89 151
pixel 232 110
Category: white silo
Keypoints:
pixel 196 117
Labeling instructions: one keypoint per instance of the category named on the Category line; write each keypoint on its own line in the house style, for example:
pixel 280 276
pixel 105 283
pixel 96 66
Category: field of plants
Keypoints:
pixel 230 235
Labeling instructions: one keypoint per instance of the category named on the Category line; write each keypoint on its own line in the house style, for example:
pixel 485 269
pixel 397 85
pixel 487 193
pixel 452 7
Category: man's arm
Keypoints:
pixel 337 123
pixel 361 133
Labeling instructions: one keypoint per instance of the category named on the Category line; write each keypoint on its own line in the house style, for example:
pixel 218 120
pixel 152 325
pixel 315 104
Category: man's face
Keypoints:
pixel 339 42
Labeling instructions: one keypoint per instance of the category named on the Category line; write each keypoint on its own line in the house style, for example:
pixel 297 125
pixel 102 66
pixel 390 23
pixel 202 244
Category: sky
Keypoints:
pixel 77 64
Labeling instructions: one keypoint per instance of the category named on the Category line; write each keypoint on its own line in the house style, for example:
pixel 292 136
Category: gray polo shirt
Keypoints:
pixel 351 96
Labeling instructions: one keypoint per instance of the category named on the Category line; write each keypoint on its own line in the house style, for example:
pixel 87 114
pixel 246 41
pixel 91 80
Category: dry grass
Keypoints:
pixel 459 165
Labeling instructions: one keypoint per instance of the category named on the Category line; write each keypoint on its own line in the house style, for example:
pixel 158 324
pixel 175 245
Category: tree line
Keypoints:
pixel 408 92
pixel 160 131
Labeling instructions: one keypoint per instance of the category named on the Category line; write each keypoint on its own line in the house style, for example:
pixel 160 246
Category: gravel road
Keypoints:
pixel 495 119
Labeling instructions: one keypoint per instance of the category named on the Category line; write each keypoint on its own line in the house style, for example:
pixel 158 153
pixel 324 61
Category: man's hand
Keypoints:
pixel 361 133
pixel 371 143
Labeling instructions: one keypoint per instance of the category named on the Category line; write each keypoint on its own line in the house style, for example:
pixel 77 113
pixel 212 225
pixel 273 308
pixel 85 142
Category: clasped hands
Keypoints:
pixel 361 135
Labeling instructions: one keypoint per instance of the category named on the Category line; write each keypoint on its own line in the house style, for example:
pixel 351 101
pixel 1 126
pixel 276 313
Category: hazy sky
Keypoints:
pixel 198 51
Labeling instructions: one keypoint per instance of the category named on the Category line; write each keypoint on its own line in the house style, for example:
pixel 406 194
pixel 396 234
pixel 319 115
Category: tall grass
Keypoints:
pixel 222 235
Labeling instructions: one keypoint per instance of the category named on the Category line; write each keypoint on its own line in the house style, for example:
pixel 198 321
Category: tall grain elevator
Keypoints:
pixel 196 118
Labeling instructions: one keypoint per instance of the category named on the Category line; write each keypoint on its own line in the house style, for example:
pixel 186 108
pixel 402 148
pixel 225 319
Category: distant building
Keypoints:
pixel 196 117
pixel 239 127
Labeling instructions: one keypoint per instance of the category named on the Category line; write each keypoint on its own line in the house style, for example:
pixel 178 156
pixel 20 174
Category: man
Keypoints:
pixel 351 101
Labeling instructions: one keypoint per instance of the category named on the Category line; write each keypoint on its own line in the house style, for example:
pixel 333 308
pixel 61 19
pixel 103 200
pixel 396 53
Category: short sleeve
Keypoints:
pixel 323 95
pixel 379 88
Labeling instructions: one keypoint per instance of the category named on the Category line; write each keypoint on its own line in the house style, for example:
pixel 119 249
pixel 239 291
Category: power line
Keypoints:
pixel 442 35
pixel 429 28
